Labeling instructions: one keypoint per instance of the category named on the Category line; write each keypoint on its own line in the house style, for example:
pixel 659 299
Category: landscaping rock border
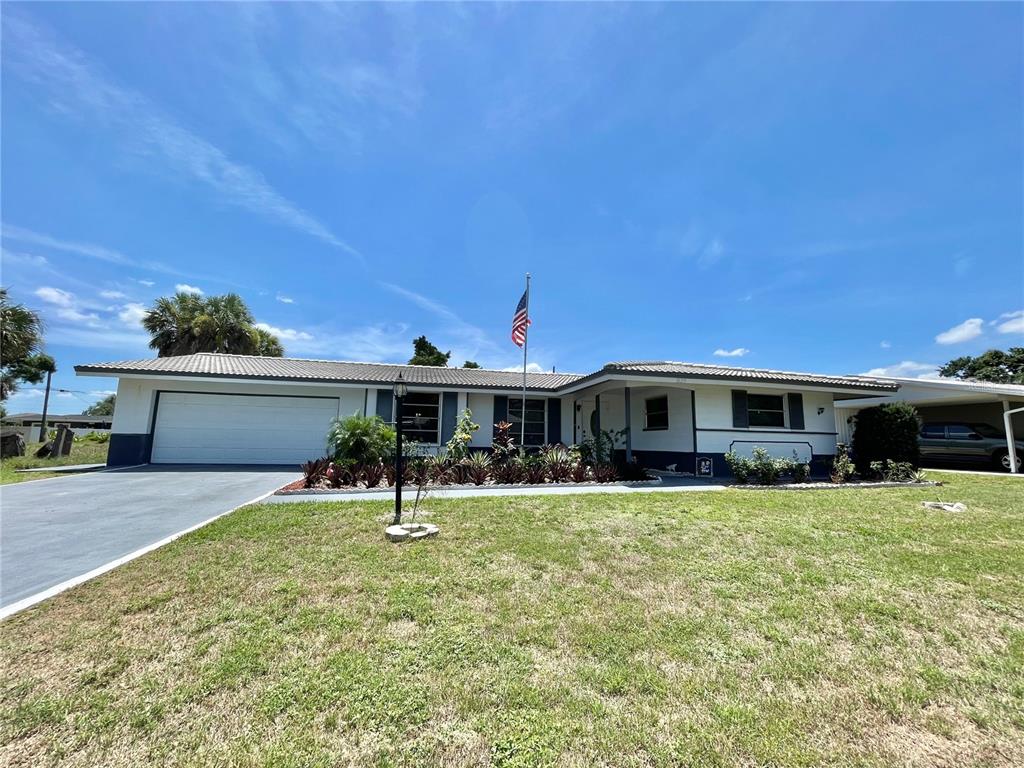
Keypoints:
pixel 824 485
pixel 411 532
pixel 470 486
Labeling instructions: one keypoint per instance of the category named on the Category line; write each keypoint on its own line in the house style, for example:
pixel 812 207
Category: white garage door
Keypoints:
pixel 235 429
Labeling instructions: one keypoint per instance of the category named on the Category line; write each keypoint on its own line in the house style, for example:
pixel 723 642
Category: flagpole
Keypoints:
pixel 526 336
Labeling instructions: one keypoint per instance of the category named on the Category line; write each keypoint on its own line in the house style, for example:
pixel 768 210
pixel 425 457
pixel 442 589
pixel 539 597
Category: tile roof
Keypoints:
pixel 294 369
pixel 754 375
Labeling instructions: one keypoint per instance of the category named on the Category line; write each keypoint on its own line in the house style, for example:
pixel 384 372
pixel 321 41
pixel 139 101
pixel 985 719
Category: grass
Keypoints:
pixel 82 452
pixel 846 627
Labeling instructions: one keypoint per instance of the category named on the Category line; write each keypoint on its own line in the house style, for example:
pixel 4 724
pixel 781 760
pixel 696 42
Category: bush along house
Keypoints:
pixel 684 417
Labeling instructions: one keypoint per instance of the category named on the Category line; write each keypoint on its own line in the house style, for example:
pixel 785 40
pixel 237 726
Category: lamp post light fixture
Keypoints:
pixel 400 390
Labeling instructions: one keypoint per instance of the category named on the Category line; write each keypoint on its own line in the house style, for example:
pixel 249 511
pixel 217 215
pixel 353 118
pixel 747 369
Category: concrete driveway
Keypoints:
pixel 53 531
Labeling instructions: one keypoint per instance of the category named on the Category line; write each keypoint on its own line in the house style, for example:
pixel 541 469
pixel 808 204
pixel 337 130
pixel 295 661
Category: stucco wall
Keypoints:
pixel 482 406
pixel 716 434
pixel 135 398
pixel 678 436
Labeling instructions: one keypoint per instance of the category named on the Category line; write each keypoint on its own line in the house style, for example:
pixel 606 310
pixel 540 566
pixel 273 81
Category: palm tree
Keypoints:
pixel 21 342
pixel 186 323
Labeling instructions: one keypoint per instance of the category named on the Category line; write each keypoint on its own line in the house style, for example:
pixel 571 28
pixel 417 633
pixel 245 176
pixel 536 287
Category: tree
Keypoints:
pixel 21 343
pixel 185 323
pixel 886 432
pixel 104 407
pixel 45 364
pixel 426 353
pixel 995 366
pixel 470 364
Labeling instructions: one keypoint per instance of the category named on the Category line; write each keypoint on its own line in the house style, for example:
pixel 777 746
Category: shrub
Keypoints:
pixel 508 471
pixel 361 438
pixel 894 471
pixel 557 461
pixel 801 470
pixel 631 471
pixel 534 469
pixel 842 466
pixel 600 449
pixel 373 473
pixel 578 471
pixel 768 469
pixel 740 466
pixel 437 469
pixel 313 471
pixel 458 447
pixel 503 446
pixel 478 467
pixel 606 473
pixel 886 432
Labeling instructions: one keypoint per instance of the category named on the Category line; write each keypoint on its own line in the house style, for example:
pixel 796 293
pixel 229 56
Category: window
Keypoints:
pixel 962 432
pixel 933 432
pixel 421 417
pixel 534 420
pixel 986 430
pixel 656 413
pixel 765 411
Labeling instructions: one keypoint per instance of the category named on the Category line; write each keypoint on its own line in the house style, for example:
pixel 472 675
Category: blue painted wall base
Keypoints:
pixel 128 449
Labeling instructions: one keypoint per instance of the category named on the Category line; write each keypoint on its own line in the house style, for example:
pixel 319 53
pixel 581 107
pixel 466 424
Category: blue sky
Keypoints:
pixel 823 187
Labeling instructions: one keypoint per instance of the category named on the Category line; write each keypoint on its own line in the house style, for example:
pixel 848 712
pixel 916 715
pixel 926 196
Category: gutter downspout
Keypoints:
pixel 1011 449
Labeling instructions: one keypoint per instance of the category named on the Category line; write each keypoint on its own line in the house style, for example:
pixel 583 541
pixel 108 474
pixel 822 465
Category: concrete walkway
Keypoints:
pixel 668 485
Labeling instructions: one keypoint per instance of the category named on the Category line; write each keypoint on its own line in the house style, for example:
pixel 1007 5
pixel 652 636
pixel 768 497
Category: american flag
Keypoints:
pixel 521 320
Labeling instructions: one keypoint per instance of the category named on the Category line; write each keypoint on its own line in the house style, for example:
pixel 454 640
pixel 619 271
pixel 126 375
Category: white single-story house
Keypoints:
pixel 237 409
pixel 28 423
pixel 946 401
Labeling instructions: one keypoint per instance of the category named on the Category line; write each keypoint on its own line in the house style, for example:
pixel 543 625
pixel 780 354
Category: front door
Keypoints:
pixel 584 419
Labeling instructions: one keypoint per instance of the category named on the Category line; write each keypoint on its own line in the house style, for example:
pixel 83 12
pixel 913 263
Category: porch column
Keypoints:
pixel 629 432
pixel 1011 449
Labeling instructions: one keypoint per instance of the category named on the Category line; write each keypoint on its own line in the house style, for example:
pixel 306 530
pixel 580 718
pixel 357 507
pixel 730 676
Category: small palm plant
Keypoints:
pixel 478 467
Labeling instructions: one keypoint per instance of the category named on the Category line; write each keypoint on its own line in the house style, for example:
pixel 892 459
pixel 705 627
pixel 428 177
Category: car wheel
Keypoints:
pixel 1002 461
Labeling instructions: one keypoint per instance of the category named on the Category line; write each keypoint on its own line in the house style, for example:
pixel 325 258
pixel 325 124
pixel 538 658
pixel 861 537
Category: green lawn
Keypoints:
pixel 846 627
pixel 82 452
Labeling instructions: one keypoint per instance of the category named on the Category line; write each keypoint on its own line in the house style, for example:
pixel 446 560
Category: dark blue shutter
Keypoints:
pixel 500 411
pixel 554 420
pixel 385 403
pixel 740 417
pixel 449 407
pixel 796 410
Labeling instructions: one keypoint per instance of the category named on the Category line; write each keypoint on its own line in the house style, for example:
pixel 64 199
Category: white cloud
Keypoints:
pixel 79 249
pixel 1011 322
pixel 73 315
pixel 285 299
pixel 147 283
pixel 711 254
pixel 471 338
pixel 65 78
pixel 186 288
pixel 55 296
pixel 530 368
pixel 27 259
pixel 132 314
pixel 112 295
pixel 884 344
pixel 285 334
pixel 965 331
pixel 738 352
pixel 908 369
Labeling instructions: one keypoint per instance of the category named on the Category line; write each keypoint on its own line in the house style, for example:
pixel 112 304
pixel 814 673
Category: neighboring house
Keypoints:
pixel 28 423
pixel 946 401
pixel 212 408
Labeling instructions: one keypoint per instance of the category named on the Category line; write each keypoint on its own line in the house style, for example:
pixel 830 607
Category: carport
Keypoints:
pixel 937 400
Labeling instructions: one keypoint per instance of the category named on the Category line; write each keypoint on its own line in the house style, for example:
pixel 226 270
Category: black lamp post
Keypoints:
pixel 401 390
